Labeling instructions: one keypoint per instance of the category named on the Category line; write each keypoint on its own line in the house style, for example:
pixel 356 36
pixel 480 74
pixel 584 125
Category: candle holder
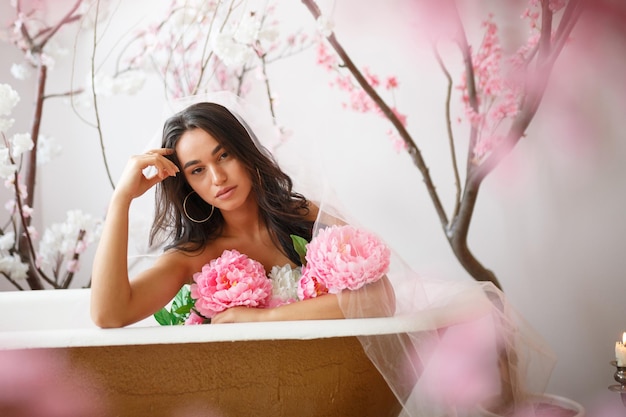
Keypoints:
pixel 620 376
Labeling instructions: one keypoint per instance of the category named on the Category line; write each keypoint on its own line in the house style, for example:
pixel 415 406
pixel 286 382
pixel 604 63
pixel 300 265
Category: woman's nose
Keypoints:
pixel 218 176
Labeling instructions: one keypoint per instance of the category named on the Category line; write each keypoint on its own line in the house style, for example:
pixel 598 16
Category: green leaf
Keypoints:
pixel 164 317
pixel 183 310
pixel 181 307
pixel 299 244
pixel 182 298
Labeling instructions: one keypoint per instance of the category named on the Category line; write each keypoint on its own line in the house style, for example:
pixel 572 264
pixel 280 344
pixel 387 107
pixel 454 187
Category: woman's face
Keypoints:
pixel 216 175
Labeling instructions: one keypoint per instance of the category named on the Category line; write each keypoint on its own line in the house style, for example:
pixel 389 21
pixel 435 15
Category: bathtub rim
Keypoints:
pixel 147 333
pixel 233 332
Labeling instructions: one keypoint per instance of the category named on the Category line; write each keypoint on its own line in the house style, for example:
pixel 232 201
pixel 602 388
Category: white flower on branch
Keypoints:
pixel 6 124
pixel 14 267
pixel 11 207
pixel 20 71
pixel 7 241
pixel 6 167
pixel 63 240
pixel 129 82
pixel 20 143
pixel 231 52
pixel 325 26
pixel 47 149
pixel 188 12
pixel 8 99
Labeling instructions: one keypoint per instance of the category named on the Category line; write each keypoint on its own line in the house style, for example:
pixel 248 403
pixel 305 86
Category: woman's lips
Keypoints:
pixel 225 193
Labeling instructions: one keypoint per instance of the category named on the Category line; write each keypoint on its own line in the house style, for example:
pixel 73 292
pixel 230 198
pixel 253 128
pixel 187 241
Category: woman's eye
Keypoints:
pixel 223 155
pixel 196 171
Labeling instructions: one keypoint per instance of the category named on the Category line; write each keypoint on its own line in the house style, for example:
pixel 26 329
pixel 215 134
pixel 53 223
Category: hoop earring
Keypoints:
pixel 187 214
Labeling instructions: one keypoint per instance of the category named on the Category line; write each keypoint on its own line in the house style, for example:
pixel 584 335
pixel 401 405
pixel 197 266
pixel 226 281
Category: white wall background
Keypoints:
pixel 549 222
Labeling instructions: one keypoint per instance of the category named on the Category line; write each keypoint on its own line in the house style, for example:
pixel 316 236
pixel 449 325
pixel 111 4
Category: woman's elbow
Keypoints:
pixel 104 320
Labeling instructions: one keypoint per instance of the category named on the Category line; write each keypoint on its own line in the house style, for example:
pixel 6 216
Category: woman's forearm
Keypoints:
pixel 110 286
pixel 373 300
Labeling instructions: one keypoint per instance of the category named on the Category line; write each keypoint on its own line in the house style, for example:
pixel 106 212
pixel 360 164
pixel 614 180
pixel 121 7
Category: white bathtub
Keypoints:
pixel 315 368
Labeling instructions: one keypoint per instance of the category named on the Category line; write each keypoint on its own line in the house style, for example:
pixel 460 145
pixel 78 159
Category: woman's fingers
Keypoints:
pixel 145 170
pixel 156 158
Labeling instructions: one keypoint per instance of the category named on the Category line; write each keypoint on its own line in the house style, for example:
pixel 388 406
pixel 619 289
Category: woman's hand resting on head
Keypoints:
pixel 133 183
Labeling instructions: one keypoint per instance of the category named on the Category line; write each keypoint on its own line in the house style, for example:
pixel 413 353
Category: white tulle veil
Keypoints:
pixel 469 344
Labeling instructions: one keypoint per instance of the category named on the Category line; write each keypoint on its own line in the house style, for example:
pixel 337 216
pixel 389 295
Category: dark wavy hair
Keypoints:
pixel 282 210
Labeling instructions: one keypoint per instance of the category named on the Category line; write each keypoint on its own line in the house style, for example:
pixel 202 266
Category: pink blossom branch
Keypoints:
pixel 455 230
pixel 476 173
pixel 472 93
pixel 412 148
pixel 68 18
pixel 26 248
pixel 25 245
pixel 205 60
pixel 75 257
pixel 546 60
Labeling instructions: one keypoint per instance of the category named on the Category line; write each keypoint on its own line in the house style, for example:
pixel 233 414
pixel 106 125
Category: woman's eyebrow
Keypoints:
pixel 190 163
pixel 216 150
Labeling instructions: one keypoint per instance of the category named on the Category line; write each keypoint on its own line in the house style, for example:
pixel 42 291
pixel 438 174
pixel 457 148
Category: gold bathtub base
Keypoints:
pixel 319 377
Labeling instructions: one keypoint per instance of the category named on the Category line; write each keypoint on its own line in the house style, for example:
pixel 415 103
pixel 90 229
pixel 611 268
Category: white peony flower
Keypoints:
pixel 8 99
pixel 6 167
pixel 21 143
pixel 7 241
pixel 285 282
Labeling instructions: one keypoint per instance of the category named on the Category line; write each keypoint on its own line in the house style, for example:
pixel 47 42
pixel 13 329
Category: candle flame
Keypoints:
pixel 624 338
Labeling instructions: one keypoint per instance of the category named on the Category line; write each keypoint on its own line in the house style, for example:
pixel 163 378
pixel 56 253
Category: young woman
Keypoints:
pixel 217 189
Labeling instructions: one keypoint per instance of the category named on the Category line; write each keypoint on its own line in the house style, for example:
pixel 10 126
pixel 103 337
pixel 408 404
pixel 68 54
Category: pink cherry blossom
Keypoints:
pixel 344 257
pixel 231 280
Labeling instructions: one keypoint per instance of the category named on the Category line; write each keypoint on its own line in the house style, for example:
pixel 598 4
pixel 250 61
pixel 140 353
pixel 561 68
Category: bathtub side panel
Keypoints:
pixel 320 377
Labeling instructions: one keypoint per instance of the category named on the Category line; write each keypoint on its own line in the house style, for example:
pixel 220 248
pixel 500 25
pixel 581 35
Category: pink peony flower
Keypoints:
pixel 194 319
pixel 343 257
pixel 310 286
pixel 231 280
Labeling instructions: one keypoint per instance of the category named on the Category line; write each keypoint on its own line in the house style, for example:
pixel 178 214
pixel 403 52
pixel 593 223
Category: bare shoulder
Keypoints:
pixel 313 211
pixel 322 216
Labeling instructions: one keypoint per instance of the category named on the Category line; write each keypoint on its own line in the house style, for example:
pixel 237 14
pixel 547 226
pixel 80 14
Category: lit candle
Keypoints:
pixel 620 351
